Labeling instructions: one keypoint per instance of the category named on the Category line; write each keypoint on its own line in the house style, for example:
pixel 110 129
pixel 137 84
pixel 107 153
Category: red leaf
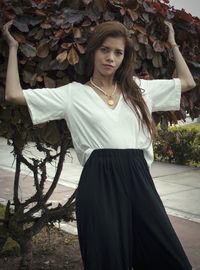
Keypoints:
pixel 159 8
pixel 59 33
pixel 65 45
pixel 181 14
pixel 20 38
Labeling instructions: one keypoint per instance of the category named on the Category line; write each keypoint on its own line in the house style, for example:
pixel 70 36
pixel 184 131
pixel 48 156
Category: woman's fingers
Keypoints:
pixel 171 35
pixel 6 33
pixel 7 26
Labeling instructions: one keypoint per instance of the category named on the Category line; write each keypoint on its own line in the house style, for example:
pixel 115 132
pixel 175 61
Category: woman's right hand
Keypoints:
pixel 8 37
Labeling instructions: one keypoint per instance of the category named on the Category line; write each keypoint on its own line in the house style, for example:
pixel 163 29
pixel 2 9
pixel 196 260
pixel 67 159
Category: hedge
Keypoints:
pixel 179 145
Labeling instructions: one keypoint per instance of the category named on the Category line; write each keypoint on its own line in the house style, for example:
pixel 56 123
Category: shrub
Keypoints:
pixel 178 145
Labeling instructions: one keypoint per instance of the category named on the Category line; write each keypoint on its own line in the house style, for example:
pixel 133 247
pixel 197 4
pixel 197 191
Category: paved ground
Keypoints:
pixel 178 186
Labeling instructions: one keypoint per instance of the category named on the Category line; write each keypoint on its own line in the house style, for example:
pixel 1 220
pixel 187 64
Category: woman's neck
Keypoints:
pixel 102 81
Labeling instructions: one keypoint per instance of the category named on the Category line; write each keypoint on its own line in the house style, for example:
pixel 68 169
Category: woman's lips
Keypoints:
pixel 108 66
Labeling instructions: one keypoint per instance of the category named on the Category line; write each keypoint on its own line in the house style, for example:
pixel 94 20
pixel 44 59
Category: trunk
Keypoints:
pixel 26 254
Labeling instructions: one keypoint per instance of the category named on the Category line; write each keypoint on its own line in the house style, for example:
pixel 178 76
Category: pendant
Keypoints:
pixel 110 102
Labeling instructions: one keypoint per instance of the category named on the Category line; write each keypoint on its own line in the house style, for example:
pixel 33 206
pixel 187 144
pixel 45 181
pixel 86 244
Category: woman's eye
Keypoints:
pixel 103 49
pixel 118 53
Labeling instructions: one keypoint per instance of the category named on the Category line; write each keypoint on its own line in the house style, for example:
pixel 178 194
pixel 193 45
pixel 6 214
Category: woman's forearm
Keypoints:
pixel 13 91
pixel 183 72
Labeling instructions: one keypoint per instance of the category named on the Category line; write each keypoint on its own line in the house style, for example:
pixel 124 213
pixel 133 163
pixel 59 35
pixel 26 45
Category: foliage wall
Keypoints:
pixel 53 36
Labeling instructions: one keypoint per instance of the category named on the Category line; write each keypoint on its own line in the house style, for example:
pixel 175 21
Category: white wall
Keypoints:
pixel 190 6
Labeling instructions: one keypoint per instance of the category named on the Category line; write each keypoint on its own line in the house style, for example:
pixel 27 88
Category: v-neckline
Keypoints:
pixel 101 99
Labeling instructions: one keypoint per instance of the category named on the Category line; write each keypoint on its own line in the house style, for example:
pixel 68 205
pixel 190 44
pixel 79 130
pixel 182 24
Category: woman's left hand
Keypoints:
pixel 171 35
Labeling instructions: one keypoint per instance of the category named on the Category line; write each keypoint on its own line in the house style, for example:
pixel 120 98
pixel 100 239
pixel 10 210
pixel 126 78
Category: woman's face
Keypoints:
pixel 109 56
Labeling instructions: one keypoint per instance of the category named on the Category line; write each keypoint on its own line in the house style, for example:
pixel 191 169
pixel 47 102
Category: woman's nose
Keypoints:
pixel 111 57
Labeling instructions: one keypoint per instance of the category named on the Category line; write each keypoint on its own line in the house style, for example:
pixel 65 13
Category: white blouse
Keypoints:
pixel 93 124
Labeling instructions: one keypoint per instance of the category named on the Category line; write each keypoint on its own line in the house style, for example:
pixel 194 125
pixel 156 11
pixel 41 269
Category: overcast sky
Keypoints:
pixel 190 6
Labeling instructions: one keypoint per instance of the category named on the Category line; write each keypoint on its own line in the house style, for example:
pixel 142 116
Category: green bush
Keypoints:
pixel 180 145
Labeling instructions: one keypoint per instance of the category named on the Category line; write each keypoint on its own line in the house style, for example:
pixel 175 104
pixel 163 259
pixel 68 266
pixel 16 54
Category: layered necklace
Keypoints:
pixel 110 100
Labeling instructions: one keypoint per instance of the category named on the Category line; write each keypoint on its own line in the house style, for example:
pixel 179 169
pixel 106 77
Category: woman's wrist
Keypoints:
pixel 13 46
pixel 174 45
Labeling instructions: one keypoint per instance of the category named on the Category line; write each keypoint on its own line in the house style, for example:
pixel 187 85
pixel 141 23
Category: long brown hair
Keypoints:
pixel 124 75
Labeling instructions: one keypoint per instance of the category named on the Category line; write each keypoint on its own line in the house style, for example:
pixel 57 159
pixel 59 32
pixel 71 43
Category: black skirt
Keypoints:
pixel 121 220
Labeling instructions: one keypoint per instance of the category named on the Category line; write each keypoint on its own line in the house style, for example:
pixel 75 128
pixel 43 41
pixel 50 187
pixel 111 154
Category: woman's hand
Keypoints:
pixel 7 36
pixel 171 35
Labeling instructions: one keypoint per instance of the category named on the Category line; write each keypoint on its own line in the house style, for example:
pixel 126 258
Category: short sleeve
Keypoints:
pixel 164 95
pixel 47 104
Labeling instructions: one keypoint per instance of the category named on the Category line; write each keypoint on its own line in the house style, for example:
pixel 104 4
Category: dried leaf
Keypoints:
pixel 40 12
pixel 43 50
pixel 61 57
pixel 72 56
pixel 33 80
pixel 77 32
pixel 157 60
pixel 139 28
pixel 39 78
pixel 133 14
pixel 46 26
pixel 19 37
pixel 49 83
pixel 80 48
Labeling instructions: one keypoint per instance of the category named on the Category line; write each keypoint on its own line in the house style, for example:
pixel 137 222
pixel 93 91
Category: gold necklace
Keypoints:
pixel 110 100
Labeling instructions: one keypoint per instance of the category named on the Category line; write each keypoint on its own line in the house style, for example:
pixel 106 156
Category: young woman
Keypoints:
pixel 122 223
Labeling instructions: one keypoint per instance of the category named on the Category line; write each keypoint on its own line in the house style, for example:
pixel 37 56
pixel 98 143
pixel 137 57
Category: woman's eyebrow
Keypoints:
pixel 106 47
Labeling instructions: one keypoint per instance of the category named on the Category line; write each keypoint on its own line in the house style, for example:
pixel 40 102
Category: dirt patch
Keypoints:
pixel 53 249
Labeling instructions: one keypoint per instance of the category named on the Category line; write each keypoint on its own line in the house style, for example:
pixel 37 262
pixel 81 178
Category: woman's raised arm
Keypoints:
pixel 183 72
pixel 13 92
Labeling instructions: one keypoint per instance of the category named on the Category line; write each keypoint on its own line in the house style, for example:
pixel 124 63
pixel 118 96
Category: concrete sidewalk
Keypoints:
pixel 178 186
